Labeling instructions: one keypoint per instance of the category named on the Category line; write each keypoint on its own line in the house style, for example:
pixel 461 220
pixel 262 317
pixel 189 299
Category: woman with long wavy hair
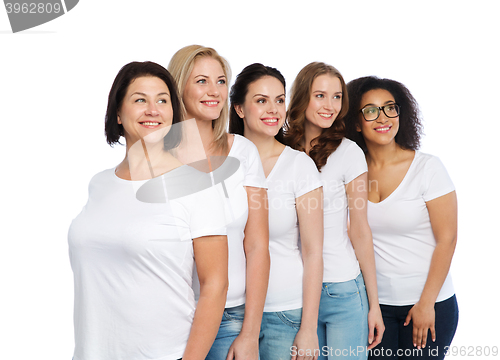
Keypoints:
pixel 349 314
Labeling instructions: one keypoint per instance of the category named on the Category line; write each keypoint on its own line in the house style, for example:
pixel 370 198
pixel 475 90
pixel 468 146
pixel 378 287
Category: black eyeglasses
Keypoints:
pixel 371 113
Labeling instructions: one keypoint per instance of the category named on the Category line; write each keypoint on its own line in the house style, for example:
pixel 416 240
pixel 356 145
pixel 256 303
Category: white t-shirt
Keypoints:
pixel 132 263
pixel 345 164
pixel 249 172
pixel 293 175
pixel 402 233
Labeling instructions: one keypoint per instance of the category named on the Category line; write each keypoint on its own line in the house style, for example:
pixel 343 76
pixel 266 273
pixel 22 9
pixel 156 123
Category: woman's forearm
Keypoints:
pixel 206 322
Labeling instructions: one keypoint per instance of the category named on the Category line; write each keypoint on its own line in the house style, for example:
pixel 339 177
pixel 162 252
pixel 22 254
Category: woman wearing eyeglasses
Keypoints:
pixel 348 320
pixel 412 212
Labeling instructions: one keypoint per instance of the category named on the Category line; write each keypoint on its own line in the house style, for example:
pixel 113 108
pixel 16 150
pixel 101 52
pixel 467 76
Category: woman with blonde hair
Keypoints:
pixel 202 76
pixel 348 321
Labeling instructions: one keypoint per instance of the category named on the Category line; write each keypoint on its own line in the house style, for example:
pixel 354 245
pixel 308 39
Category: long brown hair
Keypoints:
pixel 331 137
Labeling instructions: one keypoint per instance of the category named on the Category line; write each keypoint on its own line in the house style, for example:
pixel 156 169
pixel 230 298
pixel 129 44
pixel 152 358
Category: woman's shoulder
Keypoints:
pixel 241 145
pixel 427 160
pixel 346 150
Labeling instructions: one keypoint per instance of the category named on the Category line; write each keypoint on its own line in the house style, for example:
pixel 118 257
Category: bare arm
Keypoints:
pixel 361 238
pixel 443 216
pixel 210 253
pixel 256 245
pixel 310 215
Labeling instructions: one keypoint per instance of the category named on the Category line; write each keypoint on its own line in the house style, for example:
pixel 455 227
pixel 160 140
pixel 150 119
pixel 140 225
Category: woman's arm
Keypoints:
pixel 310 215
pixel 361 238
pixel 210 254
pixel 443 216
pixel 256 245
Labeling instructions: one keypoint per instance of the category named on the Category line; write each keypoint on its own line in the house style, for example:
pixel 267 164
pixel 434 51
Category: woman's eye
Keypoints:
pixel 140 100
pixel 201 81
pixel 162 101
pixel 338 97
pixel 221 81
pixel 261 101
pixel 320 96
pixel 280 101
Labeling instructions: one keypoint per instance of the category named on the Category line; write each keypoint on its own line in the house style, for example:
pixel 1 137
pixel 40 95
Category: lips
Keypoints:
pixel 270 121
pixel 326 116
pixel 210 103
pixel 150 124
pixel 383 129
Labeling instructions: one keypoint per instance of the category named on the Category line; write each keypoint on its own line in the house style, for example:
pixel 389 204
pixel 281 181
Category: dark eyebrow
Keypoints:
pixel 386 103
pixel 282 95
pixel 261 95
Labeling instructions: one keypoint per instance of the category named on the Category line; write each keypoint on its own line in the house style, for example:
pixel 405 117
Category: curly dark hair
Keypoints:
pixel 239 91
pixel 331 137
pixel 123 79
pixel 410 125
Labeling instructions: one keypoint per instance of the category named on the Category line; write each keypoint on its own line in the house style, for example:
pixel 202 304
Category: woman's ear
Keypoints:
pixel 358 128
pixel 239 111
pixel 118 119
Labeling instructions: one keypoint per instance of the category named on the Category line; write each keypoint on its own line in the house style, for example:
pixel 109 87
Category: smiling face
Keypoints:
pixel 325 102
pixel 146 110
pixel 205 92
pixel 264 110
pixel 383 130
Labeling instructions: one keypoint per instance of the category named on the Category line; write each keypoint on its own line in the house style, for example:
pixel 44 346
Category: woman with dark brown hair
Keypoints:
pixel 349 320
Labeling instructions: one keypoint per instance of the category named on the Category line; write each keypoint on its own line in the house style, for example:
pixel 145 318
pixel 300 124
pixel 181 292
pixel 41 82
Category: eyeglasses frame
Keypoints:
pixel 379 111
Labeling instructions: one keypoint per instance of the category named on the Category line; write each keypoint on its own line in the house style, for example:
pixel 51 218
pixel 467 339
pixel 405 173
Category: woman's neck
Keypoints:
pixel 268 146
pixel 145 160
pixel 381 155
pixel 207 136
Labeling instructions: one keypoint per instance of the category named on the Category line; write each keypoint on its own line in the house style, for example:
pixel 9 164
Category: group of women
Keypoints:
pixel 316 230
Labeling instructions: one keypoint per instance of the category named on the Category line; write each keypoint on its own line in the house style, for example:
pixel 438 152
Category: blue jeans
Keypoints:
pixel 230 327
pixel 277 334
pixel 343 320
pixel 398 339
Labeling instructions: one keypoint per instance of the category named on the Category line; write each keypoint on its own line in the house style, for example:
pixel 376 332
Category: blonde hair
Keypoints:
pixel 180 67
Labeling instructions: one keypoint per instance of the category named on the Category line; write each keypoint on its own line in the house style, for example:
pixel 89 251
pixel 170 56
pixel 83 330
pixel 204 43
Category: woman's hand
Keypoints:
pixel 244 347
pixel 423 318
pixel 376 327
pixel 306 345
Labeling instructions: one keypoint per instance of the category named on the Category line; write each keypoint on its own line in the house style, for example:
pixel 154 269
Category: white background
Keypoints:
pixel 54 82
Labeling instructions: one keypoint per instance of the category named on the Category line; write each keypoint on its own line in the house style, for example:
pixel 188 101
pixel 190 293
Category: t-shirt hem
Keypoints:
pixel 256 184
pixel 439 193
pixel 234 303
pixel 214 232
pixel 351 178
pixel 292 306
pixel 337 280
pixel 309 189
pixel 412 302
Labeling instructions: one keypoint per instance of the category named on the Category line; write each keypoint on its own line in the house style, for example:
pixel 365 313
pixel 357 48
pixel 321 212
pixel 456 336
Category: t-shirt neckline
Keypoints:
pixel 391 195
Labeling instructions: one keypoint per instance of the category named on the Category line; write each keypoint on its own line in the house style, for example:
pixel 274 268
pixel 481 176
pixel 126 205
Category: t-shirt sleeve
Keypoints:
pixel 306 175
pixel 437 182
pixel 207 213
pixel 254 175
pixel 200 214
pixel 354 162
